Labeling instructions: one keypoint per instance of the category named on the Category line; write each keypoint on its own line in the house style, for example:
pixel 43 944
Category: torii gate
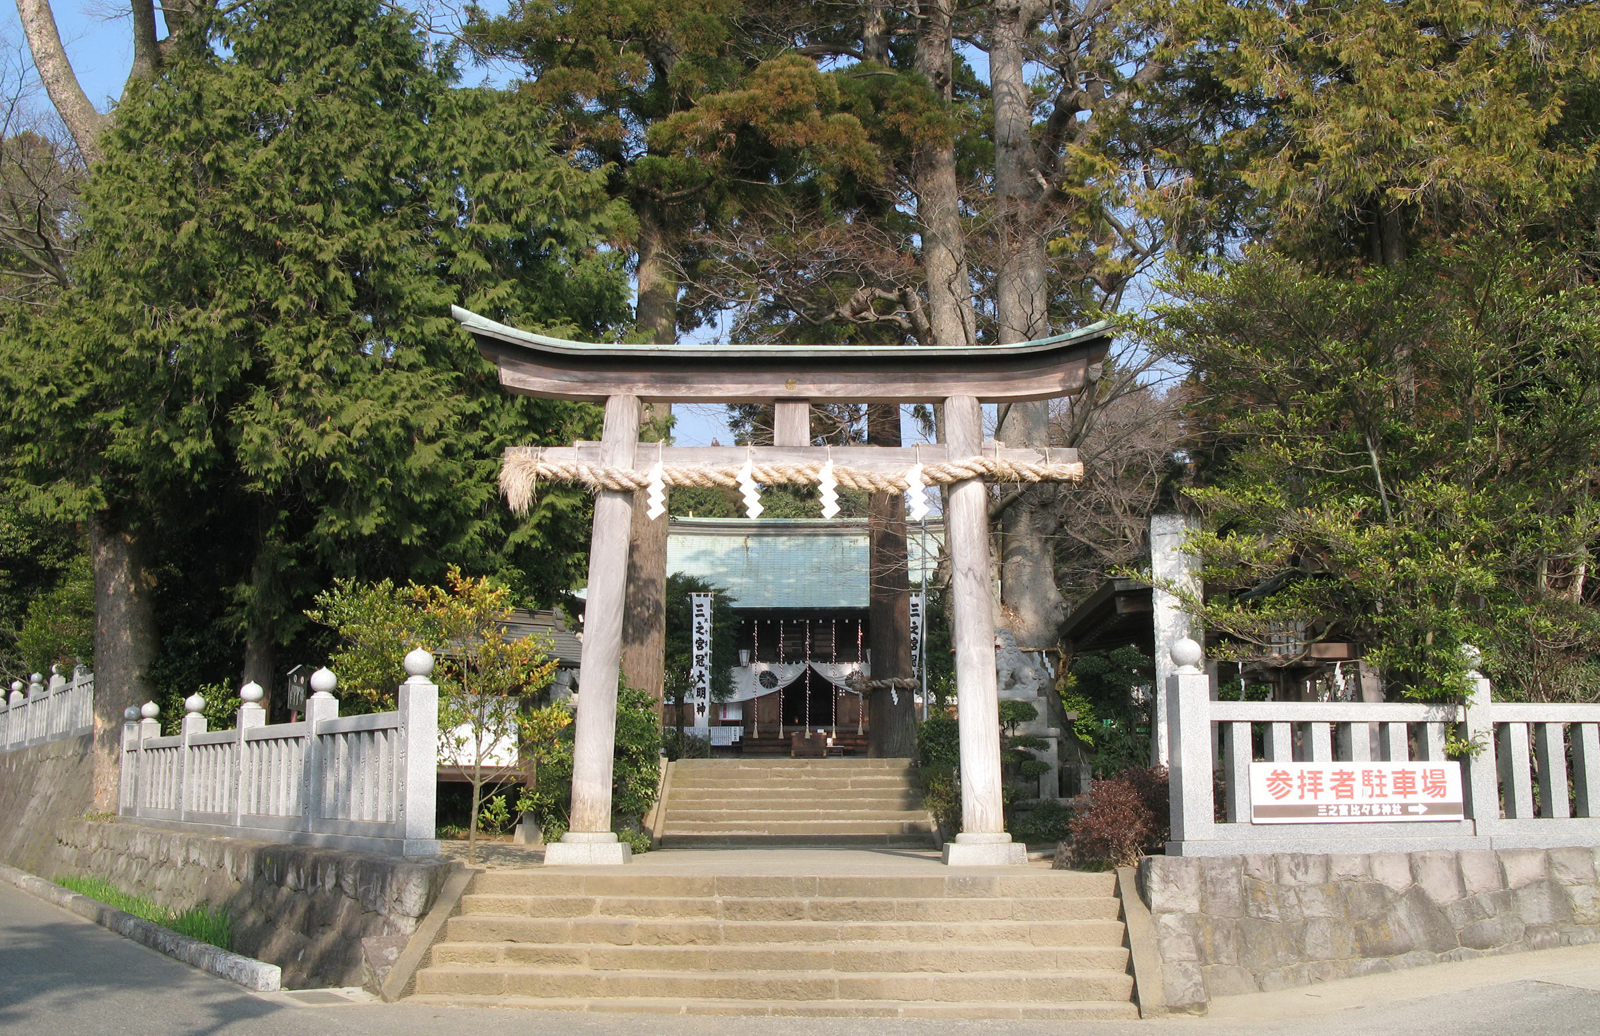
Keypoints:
pixel 791 377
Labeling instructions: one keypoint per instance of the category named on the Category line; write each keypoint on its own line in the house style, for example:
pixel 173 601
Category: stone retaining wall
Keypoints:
pixel 1242 924
pixel 326 917
pixel 40 787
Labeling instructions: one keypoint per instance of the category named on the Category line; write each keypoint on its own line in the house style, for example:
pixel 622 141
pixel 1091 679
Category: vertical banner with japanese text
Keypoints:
pixel 916 635
pixel 699 697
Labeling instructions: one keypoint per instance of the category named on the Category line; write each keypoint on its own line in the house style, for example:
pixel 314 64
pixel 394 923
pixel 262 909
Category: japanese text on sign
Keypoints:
pixel 915 628
pixel 699 697
pixel 1354 792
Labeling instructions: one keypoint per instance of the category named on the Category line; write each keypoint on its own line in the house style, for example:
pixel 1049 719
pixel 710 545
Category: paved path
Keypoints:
pixel 62 976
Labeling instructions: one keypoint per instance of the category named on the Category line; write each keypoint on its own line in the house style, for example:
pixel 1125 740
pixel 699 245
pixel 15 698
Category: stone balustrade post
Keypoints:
pixel 14 733
pixel 1189 711
pixel 38 709
pixel 128 763
pixel 321 706
pixel 1482 773
pixel 419 756
pixel 56 689
pixel 193 723
pixel 149 729
pixel 251 715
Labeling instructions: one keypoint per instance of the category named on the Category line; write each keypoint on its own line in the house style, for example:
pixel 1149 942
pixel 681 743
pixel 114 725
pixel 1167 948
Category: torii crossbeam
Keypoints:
pixel 791 377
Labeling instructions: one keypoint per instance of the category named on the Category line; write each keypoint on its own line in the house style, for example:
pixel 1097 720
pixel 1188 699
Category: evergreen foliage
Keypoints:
pixel 257 349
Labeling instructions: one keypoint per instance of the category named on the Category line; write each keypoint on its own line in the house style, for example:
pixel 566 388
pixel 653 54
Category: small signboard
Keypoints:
pixel 1355 793
pixel 723 737
pixel 298 677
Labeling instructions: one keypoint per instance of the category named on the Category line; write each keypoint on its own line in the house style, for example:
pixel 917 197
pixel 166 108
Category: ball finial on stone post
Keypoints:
pixel 252 693
pixel 194 703
pixel 419 663
pixel 1471 656
pixel 323 682
pixel 1187 654
pixel 149 710
pixel 131 714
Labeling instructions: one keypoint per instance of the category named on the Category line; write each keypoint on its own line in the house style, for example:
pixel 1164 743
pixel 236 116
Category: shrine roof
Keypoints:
pixel 787 562
pixel 559 368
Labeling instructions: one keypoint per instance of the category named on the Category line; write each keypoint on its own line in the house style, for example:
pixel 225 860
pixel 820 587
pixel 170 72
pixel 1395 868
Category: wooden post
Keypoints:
pixel 590 839
pixel 983 840
pixel 791 423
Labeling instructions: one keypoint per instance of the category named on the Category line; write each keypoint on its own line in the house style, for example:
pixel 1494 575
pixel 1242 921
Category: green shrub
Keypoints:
pixel 939 742
pixel 495 816
pixel 684 744
pixel 209 926
pixel 1042 822
pixel 635 773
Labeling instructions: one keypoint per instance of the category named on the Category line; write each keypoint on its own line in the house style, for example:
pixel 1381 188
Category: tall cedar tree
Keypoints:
pixel 1396 385
pixel 259 325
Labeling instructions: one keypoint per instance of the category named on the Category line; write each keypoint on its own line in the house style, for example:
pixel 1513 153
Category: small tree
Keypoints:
pixel 486 681
pixel 376 622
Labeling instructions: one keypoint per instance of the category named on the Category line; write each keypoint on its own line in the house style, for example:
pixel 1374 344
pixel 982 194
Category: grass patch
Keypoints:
pixel 211 926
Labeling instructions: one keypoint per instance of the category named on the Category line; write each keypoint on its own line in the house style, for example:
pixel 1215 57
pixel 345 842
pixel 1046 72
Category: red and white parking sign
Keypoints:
pixel 1346 793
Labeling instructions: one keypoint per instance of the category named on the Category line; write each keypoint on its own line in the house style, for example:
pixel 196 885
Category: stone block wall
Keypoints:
pixel 1243 924
pixel 326 917
pixel 40 787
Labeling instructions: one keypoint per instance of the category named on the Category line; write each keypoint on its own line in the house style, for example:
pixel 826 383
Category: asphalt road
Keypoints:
pixel 63 976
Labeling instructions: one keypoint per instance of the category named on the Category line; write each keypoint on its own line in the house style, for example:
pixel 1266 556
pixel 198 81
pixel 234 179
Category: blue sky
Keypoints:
pixel 97 38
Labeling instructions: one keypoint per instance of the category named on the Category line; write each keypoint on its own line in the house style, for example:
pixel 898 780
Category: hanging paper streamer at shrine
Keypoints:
pixel 699 698
pixel 916 494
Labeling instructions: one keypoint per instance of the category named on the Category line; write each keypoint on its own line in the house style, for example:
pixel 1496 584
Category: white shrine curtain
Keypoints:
pixel 838 673
pixel 747 682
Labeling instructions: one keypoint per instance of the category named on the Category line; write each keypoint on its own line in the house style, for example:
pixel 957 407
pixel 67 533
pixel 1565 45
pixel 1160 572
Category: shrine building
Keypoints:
pixel 799 588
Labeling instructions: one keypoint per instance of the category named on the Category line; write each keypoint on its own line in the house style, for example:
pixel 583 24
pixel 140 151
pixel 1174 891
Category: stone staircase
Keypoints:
pixel 754 801
pixel 970 943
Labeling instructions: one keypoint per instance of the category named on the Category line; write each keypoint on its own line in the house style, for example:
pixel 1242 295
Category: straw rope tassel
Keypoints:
pixel 525 469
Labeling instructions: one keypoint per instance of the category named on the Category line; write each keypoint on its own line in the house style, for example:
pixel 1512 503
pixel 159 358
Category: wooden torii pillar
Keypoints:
pixel 792 378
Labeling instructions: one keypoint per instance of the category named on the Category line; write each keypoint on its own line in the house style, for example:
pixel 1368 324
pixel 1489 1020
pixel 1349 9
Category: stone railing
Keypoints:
pixel 348 782
pixel 38 712
pixel 1512 796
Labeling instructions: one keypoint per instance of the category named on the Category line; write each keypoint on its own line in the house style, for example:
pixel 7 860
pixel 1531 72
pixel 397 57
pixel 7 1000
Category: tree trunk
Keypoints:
pixel 944 248
pixel 83 121
pixel 644 615
pixel 125 642
pixel 875 32
pixel 1031 606
pixel 892 714
pixel 260 659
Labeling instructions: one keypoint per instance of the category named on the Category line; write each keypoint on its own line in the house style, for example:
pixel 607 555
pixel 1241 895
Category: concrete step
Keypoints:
pixel 656 931
pixel 905 798
pixel 968 986
pixel 765 841
pixel 1084 1010
pixel 791 956
pixel 817 825
pixel 679 816
pixel 955 883
pixel 831 910
pixel 782 763
pixel 856 782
